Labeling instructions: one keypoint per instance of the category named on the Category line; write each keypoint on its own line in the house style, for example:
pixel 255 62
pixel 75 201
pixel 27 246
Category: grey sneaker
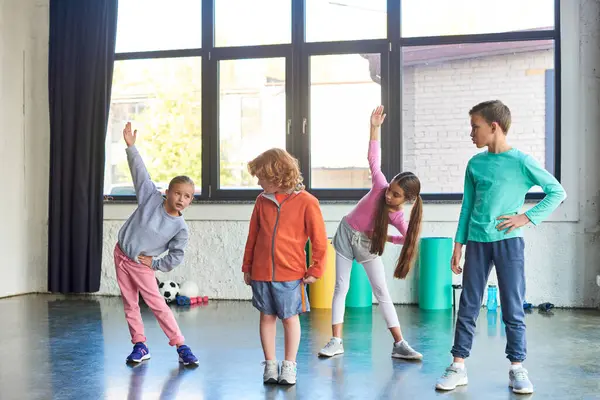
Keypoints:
pixel 404 351
pixel 288 373
pixel 452 378
pixel 271 374
pixel 519 381
pixel 333 348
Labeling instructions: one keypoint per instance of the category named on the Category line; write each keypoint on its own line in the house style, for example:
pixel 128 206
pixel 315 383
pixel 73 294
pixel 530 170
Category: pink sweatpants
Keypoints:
pixel 133 279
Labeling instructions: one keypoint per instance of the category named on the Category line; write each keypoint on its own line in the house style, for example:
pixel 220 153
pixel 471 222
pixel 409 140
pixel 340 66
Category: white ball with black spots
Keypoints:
pixel 169 290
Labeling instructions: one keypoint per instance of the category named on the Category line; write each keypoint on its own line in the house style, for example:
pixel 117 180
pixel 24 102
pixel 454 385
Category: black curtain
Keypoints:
pixel 81 56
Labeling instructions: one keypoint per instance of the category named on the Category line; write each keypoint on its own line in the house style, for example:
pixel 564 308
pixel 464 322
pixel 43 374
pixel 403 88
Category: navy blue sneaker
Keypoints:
pixel 186 356
pixel 140 353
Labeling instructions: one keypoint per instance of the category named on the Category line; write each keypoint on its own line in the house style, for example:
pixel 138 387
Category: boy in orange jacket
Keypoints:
pixel 283 219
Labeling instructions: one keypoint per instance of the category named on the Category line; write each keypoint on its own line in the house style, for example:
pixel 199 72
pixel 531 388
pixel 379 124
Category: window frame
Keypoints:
pixel 297 55
pixel 318 49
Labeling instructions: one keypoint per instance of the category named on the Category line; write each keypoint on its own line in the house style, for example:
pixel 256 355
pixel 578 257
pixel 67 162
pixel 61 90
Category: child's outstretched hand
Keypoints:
pixel 377 117
pixel 128 136
pixel 309 279
pixel 247 278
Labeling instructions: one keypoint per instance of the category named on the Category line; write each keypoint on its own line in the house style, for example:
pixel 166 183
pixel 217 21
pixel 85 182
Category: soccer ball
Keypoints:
pixel 169 290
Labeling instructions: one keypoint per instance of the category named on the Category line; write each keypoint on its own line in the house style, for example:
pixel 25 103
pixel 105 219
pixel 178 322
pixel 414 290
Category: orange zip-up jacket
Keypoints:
pixel 275 249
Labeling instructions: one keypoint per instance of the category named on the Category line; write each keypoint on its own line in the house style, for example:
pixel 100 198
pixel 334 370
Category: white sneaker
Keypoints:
pixel 333 348
pixel 518 380
pixel 288 373
pixel 452 378
pixel 404 351
pixel 271 374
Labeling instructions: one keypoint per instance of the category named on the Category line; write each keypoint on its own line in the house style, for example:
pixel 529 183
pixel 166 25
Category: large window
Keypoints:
pixel 328 21
pixel 252 22
pixel 162 99
pixel 209 84
pixel 441 83
pixel 337 123
pixel 150 25
pixel 251 116
pixel 464 17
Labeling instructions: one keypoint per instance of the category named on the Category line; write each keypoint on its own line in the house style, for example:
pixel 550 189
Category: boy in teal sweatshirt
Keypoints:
pixel 496 182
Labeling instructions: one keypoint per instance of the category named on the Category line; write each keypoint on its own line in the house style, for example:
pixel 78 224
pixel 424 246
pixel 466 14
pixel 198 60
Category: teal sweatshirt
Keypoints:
pixel 496 185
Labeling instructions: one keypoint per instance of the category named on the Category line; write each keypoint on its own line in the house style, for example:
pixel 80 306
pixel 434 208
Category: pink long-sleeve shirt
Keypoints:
pixel 362 217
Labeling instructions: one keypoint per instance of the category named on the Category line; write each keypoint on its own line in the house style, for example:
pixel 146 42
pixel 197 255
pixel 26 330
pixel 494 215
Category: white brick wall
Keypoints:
pixel 436 101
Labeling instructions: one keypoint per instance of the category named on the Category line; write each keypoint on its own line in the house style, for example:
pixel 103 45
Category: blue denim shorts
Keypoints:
pixel 284 299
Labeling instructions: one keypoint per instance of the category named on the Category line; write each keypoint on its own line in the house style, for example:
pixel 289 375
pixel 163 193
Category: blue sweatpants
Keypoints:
pixel 508 257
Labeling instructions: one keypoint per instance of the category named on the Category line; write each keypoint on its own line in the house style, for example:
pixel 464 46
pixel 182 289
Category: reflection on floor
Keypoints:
pixel 57 347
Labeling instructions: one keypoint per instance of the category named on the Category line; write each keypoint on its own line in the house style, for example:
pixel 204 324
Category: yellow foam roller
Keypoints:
pixel 321 292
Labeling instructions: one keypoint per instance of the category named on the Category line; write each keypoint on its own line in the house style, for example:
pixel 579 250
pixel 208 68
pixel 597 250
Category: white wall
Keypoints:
pixel 24 145
pixel 586 135
pixel 563 254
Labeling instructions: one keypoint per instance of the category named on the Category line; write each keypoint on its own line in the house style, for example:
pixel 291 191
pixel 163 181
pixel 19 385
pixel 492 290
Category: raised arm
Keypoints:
pixel 374 154
pixel 144 187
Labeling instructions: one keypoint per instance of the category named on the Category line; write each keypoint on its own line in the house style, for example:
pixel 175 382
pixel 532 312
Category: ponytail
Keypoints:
pixel 411 242
pixel 380 229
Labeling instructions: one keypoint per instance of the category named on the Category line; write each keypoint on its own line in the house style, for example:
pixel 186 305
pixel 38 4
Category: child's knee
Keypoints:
pixel 468 312
pixel 381 293
pixel 293 320
pixel 160 308
pixel 513 319
pixel 268 318
pixel 341 287
pixel 156 302
pixel 133 307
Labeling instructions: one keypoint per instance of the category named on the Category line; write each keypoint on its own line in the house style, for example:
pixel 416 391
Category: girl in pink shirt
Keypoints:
pixel 362 235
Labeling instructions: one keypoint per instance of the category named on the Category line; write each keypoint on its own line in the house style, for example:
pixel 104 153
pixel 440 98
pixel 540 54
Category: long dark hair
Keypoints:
pixel 411 186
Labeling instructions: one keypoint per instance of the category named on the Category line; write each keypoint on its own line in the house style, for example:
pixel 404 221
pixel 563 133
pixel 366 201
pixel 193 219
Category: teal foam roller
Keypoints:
pixel 360 293
pixel 435 275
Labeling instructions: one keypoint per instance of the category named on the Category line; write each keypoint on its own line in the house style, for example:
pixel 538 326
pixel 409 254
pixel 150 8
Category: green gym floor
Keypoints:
pixel 57 347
